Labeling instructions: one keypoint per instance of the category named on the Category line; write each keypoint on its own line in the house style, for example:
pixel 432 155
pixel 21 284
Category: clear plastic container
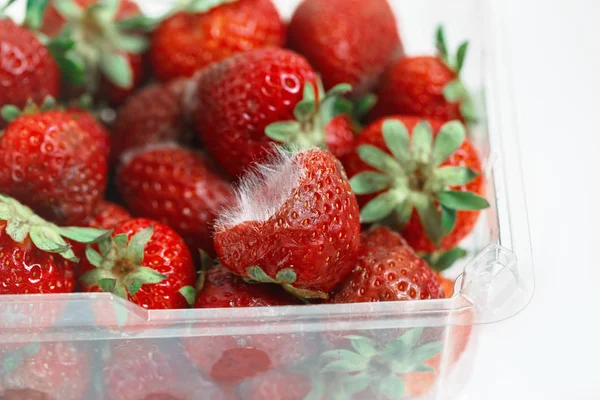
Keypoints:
pixel 103 347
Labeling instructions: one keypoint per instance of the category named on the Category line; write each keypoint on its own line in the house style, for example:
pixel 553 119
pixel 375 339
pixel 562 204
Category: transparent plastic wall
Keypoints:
pixel 96 346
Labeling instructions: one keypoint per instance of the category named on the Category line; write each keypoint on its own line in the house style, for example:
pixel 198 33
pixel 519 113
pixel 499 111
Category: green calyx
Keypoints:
pixel 456 91
pixel 93 44
pixel 412 177
pixel 442 260
pixel 313 113
pixel 343 372
pixel 22 222
pixel 10 361
pixel 202 6
pixel 286 278
pixel 10 112
pixel 119 265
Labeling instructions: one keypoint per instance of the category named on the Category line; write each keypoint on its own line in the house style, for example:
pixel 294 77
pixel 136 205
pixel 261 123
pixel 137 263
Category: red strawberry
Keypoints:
pixel 447 285
pixel 55 165
pixel 247 102
pixel 45 371
pixel 339 135
pixel 427 86
pixel 423 177
pixel 27 71
pixel 34 255
pixel 190 40
pixel 107 49
pixel 280 385
pixel 175 186
pixel 107 215
pixel 347 41
pixel 404 276
pixel 145 369
pixel 145 262
pixel 89 123
pixel 219 288
pixel 228 360
pixel 155 114
pixel 295 222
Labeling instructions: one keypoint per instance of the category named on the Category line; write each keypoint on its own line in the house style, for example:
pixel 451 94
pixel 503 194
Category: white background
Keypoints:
pixel 552 349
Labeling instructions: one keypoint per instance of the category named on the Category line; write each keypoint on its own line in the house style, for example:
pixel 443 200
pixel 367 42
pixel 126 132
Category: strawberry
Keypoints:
pixel 347 41
pixel 404 277
pixel 145 262
pixel 105 47
pixel 339 135
pixel 107 215
pixel 376 366
pixel 53 163
pixel 387 270
pixel 280 385
pixel 34 255
pixel 177 187
pixel 249 101
pixel 151 370
pixel 27 71
pixel 218 287
pixel 423 177
pixel 88 122
pixel 153 115
pixel 228 360
pixel 447 285
pixel 45 371
pixel 295 222
pixel 427 86
pixel 198 36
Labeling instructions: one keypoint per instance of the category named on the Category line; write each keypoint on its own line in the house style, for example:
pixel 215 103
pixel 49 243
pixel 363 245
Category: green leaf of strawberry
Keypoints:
pixel 413 177
pixel 456 91
pixel 46 236
pixel 313 113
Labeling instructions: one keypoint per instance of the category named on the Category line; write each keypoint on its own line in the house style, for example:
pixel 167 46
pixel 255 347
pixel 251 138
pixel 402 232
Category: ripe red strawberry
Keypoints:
pixel 108 49
pixel 423 177
pixel 280 385
pixel 88 122
pixel 27 71
pixel 228 360
pixel 247 102
pixel 150 370
pixel 295 222
pixel 339 135
pixel 191 40
pixel 218 287
pixel 447 285
pixel 404 276
pixel 155 114
pixel 107 216
pixel 53 164
pixel 145 262
pixel 347 41
pixel 177 187
pixel 34 255
pixel 427 86
pixel 45 371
